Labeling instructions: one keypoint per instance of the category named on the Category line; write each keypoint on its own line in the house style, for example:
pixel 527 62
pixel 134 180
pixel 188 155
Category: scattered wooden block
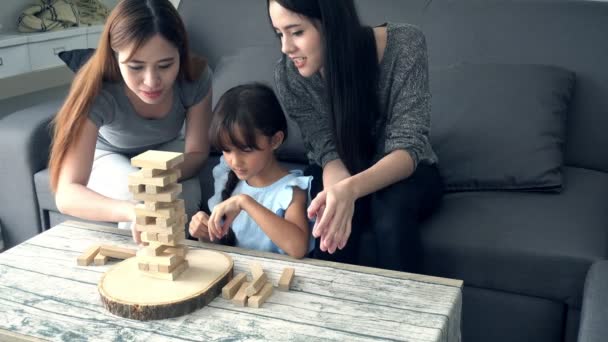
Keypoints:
pixel 286 278
pixel 240 298
pixel 259 299
pixel 117 252
pixel 256 284
pixel 256 269
pixel 162 160
pixel 87 256
pixel 100 259
pixel 233 286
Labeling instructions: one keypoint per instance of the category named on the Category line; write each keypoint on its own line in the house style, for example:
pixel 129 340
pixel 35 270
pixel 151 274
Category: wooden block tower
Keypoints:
pixel 161 217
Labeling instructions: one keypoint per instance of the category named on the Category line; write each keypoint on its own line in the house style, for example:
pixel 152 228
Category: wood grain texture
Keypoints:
pixel 57 300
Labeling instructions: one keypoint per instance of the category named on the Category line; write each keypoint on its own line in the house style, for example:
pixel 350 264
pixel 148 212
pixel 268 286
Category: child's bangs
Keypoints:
pixel 234 137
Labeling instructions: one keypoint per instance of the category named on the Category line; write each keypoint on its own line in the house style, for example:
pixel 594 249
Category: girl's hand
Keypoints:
pixel 334 208
pixel 198 227
pixel 222 216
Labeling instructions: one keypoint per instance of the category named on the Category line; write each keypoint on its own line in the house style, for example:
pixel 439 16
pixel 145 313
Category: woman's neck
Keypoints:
pixel 150 111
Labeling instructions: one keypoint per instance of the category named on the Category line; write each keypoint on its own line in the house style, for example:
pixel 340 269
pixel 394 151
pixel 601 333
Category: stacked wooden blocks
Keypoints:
pixel 161 217
pixel 255 292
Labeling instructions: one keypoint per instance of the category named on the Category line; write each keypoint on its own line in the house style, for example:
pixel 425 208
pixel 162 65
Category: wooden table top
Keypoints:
pixel 45 295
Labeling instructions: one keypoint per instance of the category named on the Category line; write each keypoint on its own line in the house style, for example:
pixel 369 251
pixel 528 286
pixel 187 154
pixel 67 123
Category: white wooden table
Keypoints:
pixel 44 295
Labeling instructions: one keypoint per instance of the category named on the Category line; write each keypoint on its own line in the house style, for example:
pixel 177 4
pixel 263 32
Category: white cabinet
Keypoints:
pixel 14 56
pixel 22 53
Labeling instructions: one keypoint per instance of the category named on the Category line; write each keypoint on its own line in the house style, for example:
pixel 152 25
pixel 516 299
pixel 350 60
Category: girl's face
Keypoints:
pixel 251 165
pixel 151 71
pixel 300 39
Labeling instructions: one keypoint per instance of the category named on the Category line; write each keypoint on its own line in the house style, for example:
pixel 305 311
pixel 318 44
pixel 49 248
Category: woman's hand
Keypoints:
pixel 334 208
pixel 199 227
pixel 223 215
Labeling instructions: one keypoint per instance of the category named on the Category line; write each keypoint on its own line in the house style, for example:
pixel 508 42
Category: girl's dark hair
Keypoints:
pixel 350 73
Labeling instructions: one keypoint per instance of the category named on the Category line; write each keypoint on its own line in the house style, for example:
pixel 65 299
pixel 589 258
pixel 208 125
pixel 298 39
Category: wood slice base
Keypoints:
pixel 127 292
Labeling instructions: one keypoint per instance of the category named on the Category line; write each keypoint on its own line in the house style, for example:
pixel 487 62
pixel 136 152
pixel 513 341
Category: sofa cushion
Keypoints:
pixel 256 64
pixel 76 58
pixel 536 244
pixel 500 126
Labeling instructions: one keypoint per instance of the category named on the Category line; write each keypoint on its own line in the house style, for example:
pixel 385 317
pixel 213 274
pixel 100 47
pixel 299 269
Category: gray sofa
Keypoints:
pixel 520 111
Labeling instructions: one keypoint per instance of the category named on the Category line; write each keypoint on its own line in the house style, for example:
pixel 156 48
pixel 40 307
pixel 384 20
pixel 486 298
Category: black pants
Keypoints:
pixel 390 218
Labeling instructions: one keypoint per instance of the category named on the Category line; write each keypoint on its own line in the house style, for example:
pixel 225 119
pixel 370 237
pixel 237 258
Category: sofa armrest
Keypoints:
pixel 25 139
pixel 594 315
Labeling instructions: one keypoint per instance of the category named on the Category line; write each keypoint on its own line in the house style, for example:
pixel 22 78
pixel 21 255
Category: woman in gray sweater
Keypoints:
pixel 360 97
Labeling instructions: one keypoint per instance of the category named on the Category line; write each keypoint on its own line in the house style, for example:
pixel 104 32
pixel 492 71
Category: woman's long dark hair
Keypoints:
pixel 240 114
pixel 350 73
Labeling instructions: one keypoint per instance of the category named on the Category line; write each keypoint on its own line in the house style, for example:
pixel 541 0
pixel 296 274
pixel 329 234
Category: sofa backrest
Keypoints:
pixel 567 34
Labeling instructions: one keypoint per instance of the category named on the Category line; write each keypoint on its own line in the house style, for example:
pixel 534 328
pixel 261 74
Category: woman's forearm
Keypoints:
pixel 79 201
pixel 333 172
pixel 392 168
pixel 193 161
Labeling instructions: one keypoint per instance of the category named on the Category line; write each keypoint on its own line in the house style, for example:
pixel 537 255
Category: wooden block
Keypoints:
pixel 167 193
pixel 172 239
pixel 256 269
pixel 145 220
pixel 240 298
pixel 259 299
pixel 153 228
pixel 152 159
pixel 153 249
pixel 117 252
pixel 87 256
pixel 165 222
pixel 143 267
pixel 100 259
pixel 153 267
pixel 176 208
pixel 137 189
pixel 233 286
pixel 148 172
pixel 256 284
pixel 149 205
pixel 286 278
pixel 149 237
pixel 170 276
pixel 164 179
pixel 163 259
pixel 179 250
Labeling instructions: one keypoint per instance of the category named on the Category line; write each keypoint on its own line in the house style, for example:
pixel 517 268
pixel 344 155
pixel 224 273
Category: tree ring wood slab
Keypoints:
pixel 127 292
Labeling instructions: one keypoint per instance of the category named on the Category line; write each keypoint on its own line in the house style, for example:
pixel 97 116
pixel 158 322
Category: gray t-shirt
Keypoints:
pixel 403 92
pixel 122 130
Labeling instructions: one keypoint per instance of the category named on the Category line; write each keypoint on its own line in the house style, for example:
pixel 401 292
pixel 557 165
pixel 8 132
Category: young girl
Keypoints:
pixel 360 96
pixel 263 204
pixel 132 95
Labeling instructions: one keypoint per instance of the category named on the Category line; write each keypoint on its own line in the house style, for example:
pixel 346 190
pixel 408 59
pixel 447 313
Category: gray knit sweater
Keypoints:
pixel 404 99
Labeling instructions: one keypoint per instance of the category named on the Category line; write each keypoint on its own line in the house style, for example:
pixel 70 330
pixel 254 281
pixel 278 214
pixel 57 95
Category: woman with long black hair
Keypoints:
pixel 361 99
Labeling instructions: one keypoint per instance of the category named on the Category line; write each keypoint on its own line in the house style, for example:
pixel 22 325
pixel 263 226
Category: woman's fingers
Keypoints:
pixel 316 204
